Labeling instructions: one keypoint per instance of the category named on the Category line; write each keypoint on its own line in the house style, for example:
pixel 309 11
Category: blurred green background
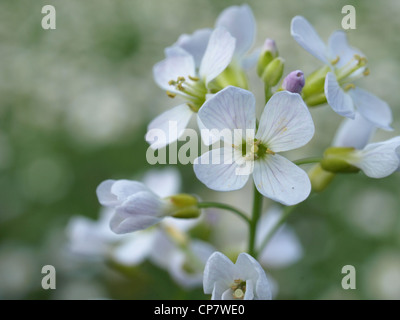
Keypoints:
pixel 74 106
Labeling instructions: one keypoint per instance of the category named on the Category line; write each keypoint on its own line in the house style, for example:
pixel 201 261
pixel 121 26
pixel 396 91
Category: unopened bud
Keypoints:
pixel 269 52
pixel 294 82
pixel 273 72
pixel 320 179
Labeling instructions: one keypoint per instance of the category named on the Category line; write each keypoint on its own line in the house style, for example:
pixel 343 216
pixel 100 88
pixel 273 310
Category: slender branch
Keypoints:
pixel 257 207
pixel 217 205
pixel 286 212
pixel 307 160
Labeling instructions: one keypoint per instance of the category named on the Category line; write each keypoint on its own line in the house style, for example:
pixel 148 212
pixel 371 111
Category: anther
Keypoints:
pixel 193 78
pixel 333 62
pixel 269 151
pixel 349 86
pixel 171 95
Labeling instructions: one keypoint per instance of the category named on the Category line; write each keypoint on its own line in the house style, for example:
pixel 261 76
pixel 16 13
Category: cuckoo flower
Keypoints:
pixel 244 280
pixel 136 207
pixel 346 65
pixel 376 160
pixel 239 21
pixel 178 75
pixel 285 124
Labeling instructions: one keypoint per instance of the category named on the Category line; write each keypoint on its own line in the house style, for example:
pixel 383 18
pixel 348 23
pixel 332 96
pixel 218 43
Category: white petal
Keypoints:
pixel 340 101
pixel 250 269
pixel 201 251
pixel 339 47
pixel 372 108
pixel 281 180
pixel 195 44
pixel 164 183
pixel 125 188
pixel 285 123
pixel 106 198
pixel 284 247
pixel 218 270
pixel 218 54
pixel 135 249
pixel 220 170
pixel 178 63
pixel 354 133
pixel 249 295
pixel 138 212
pixel 378 160
pixel 241 24
pixel 168 126
pixel 231 108
pixel 306 36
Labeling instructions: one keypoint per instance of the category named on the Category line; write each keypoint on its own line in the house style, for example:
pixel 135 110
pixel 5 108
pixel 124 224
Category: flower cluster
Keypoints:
pixel 208 70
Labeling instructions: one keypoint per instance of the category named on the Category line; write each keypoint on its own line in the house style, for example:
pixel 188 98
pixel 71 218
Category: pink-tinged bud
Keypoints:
pixel 294 82
pixel 270 46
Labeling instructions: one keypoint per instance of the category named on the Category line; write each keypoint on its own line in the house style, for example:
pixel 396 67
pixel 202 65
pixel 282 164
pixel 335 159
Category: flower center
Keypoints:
pixel 254 149
pixel 351 71
pixel 239 289
pixel 193 89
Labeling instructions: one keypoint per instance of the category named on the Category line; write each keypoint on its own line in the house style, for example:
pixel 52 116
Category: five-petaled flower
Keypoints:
pixel 244 280
pixel 285 124
pixel 346 65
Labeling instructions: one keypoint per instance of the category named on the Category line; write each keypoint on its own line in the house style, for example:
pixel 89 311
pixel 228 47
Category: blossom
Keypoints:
pixel 243 280
pixel 239 21
pixel 195 60
pixel 285 124
pixel 284 248
pixel 178 75
pixel 136 207
pixel 346 64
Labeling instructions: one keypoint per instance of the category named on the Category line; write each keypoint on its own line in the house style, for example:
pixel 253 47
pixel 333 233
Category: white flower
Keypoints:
pixel 376 160
pixel 93 239
pixel 347 65
pixel 285 124
pixel 284 248
pixel 243 280
pixel 136 207
pixel 178 75
pixel 239 21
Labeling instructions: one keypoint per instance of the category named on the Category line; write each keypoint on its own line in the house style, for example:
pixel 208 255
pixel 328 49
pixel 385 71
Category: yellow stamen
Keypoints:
pixel 366 72
pixel 194 78
pixel 333 62
pixel 349 86
pixel 269 151
pixel 171 95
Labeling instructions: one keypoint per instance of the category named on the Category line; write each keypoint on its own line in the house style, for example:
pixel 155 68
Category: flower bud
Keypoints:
pixel 268 53
pixel 273 72
pixel 183 206
pixel 336 160
pixel 320 179
pixel 294 82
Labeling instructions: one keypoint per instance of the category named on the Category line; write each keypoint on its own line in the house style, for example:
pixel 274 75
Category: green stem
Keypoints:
pixel 307 160
pixel 217 205
pixel 257 207
pixel 286 212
